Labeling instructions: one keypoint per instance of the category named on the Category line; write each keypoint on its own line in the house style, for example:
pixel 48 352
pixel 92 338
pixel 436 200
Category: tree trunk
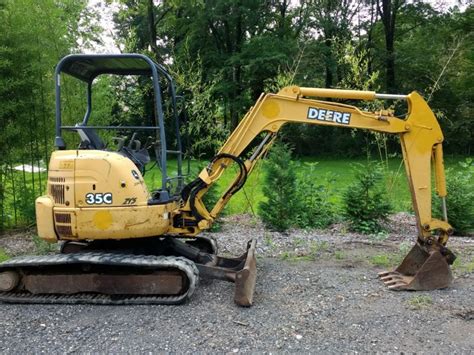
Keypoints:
pixel 388 11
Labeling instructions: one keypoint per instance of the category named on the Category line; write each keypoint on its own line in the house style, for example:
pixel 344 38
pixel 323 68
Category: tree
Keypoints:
pixel 388 11
pixel 35 35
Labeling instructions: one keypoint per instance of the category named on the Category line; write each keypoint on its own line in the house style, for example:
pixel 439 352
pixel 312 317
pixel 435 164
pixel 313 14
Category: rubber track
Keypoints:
pixel 98 258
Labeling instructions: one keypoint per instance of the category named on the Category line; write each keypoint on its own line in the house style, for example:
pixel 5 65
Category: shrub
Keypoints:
pixel 365 201
pixel 278 212
pixel 294 201
pixel 315 208
pixel 460 199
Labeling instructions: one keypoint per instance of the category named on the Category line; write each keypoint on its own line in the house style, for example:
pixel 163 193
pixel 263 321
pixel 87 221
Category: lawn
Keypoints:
pixel 340 172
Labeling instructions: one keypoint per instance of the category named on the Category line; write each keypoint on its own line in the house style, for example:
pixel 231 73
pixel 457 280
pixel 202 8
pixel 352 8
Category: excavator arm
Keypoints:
pixel 421 142
pixel 420 137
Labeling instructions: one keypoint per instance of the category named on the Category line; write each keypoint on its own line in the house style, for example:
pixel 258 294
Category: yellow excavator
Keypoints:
pixel 124 244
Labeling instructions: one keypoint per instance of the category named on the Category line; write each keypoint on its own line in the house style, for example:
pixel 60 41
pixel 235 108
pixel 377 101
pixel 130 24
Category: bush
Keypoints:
pixel 278 212
pixel 365 201
pixel 294 201
pixel 460 198
pixel 315 208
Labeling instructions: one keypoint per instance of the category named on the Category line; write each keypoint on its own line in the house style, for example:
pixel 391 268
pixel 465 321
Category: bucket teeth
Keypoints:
pixel 397 286
pixel 393 280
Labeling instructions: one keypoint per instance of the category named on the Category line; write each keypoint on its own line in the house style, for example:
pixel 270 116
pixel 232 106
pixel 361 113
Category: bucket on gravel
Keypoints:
pixel 424 268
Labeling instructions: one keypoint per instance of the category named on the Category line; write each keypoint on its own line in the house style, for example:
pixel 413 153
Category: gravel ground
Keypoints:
pixel 317 291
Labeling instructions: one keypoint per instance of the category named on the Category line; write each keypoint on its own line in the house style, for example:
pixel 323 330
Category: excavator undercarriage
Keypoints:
pixel 123 243
pixel 122 273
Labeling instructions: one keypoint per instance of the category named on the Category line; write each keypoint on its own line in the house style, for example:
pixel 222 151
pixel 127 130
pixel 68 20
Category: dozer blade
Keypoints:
pixel 421 270
pixel 246 278
pixel 241 270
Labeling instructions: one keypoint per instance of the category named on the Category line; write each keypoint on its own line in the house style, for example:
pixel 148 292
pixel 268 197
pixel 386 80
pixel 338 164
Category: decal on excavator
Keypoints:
pixel 329 115
pixel 99 198
pixel 129 201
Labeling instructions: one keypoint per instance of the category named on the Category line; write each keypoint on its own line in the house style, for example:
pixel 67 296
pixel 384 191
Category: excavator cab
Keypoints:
pixel 157 129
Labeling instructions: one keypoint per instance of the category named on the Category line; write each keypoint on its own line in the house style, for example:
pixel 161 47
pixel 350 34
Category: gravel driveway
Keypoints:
pixel 323 299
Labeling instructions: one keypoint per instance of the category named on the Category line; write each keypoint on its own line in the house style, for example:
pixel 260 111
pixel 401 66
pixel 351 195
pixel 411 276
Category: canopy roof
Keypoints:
pixel 87 66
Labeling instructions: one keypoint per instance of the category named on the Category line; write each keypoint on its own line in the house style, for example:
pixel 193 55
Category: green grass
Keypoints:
pixel 393 259
pixel 381 260
pixel 420 302
pixel 248 198
pixel 464 264
pixel 3 255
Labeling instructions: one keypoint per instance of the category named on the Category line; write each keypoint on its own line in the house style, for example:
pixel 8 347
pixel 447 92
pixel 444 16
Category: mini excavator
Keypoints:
pixel 122 243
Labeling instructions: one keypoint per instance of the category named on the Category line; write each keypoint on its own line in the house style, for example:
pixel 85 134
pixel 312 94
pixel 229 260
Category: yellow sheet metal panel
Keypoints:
pixel 44 219
pixel 108 179
pixel 123 222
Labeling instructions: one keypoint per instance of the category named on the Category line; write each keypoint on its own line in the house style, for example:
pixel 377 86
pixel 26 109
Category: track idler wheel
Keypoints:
pixel 426 267
pixel 8 280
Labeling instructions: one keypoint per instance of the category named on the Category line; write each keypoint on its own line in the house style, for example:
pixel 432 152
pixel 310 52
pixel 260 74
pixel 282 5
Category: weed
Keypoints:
pixel 420 301
pixel 403 250
pixel 339 255
pixel 41 246
pixel 380 236
pixel 286 255
pixel 253 222
pixel 3 255
pixel 298 242
pixel 463 267
pixel 380 260
pixel 318 247
pixel 268 240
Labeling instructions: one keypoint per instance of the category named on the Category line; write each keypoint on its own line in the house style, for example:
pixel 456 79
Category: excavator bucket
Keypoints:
pixel 421 270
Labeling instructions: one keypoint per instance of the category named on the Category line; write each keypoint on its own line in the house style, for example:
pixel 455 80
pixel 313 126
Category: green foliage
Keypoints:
pixel 42 247
pixel 25 203
pixel 279 211
pixel 460 199
pixel 204 127
pixel 301 200
pixel 420 301
pixel 380 260
pixel 314 192
pixel 3 255
pixel 339 255
pixel 34 36
pixel 365 200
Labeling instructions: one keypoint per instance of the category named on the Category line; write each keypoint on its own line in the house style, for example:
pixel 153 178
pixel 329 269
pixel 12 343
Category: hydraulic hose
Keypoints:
pixel 191 190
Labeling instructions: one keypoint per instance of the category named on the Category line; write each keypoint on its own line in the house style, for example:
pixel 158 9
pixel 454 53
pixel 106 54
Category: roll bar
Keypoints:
pixel 86 67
